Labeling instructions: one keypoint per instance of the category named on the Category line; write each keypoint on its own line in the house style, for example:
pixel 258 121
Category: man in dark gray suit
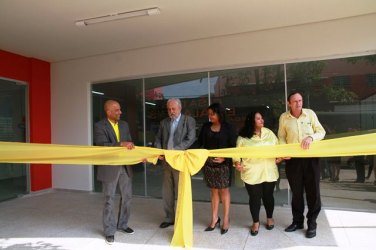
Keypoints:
pixel 177 132
pixel 113 132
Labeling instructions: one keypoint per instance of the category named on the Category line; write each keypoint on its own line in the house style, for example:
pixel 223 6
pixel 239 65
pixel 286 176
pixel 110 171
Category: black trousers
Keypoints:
pixel 303 175
pixel 263 191
pixel 360 168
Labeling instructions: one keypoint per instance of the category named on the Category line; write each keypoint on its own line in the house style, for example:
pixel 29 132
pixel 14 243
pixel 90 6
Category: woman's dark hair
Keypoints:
pixel 219 110
pixel 248 129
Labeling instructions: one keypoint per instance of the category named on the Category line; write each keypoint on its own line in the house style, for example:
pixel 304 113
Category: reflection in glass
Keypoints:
pixel 13 177
pixel 342 93
pixel 192 90
pixel 252 89
pixel 129 94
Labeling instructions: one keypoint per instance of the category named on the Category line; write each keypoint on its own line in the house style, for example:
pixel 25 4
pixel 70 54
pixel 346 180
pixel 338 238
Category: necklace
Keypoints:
pixel 215 128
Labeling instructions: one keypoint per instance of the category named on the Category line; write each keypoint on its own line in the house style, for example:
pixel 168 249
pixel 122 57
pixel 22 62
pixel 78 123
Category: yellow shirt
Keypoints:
pixel 257 170
pixel 115 126
pixel 294 130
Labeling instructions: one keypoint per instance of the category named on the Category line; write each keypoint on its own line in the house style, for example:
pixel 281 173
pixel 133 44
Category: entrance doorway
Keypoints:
pixel 13 128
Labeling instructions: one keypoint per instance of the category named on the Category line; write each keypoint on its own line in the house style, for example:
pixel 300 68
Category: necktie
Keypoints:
pixel 117 133
pixel 170 144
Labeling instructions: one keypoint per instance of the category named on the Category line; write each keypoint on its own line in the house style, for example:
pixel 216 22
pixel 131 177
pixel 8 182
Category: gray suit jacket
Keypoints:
pixel 184 135
pixel 104 135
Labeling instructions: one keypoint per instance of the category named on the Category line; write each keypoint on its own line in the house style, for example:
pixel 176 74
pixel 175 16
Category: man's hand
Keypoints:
pixel 127 144
pixel 238 166
pixel 306 142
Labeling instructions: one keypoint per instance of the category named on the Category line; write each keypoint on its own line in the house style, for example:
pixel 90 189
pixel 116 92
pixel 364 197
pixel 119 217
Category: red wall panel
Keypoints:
pixel 37 75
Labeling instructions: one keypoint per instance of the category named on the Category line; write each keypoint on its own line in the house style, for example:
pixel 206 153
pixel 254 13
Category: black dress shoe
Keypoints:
pixel 110 239
pixel 128 230
pixel 166 224
pixel 269 227
pixel 209 228
pixel 310 233
pixel 223 231
pixel 294 226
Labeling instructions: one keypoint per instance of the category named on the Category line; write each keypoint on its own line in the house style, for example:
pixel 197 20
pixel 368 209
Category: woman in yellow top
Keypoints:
pixel 259 175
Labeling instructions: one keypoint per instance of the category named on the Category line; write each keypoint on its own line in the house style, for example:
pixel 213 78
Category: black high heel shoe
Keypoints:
pixel 270 226
pixel 209 228
pixel 223 230
pixel 254 233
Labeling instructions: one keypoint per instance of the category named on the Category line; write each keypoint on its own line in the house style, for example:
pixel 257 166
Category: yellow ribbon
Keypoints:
pixel 188 162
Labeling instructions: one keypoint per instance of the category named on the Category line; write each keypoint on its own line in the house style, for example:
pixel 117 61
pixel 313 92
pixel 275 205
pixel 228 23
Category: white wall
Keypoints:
pixel 71 111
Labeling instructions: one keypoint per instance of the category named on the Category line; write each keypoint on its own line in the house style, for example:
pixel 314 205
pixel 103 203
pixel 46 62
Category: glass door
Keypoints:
pixel 13 128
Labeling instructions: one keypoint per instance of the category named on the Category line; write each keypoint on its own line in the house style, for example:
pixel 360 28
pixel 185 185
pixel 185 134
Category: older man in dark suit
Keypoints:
pixel 113 132
pixel 176 132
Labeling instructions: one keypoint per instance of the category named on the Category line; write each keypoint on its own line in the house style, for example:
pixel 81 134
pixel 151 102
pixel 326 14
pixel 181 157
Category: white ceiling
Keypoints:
pixel 45 29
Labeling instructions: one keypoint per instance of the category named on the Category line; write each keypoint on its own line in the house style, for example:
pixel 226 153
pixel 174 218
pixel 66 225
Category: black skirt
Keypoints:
pixel 217 175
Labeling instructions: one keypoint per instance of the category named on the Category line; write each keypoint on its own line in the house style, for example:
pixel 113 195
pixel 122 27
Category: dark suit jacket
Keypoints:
pixel 184 135
pixel 104 135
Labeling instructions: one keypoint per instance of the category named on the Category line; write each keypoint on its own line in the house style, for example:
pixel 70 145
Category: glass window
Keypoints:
pixel 340 93
pixel 242 91
pixel 129 94
pixel 192 90
pixel 371 80
pixel 342 81
pixel 13 128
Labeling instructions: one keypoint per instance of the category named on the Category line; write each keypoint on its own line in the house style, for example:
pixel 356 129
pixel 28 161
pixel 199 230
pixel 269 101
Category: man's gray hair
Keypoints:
pixel 177 100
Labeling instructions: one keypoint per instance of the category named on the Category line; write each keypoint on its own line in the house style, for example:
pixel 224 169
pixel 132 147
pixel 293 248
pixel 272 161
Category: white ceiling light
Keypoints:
pixel 97 93
pixel 118 16
pixel 150 103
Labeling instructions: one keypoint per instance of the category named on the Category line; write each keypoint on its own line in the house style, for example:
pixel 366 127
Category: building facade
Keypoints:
pixel 242 71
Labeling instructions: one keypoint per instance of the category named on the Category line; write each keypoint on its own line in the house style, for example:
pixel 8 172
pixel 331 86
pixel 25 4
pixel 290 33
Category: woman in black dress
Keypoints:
pixel 215 134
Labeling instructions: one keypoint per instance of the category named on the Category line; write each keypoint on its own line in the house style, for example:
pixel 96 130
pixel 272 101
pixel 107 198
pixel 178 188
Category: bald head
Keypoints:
pixel 108 104
pixel 112 110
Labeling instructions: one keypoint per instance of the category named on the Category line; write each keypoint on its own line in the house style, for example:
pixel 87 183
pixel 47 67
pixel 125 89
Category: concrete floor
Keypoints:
pixel 59 219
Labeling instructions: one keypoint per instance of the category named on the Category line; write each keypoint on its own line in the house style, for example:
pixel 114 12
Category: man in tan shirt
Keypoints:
pixel 302 126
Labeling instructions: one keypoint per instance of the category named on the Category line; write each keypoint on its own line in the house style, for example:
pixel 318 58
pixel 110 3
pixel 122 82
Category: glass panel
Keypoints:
pixel 130 95
pixel 13 177
pixel 342 93
pixel 192 89
pixel 241 91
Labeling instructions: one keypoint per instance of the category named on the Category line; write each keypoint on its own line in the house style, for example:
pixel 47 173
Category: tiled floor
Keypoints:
pixel 72 220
